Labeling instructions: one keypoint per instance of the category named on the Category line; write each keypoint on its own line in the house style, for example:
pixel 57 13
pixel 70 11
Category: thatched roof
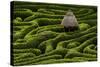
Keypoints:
pixel 69 20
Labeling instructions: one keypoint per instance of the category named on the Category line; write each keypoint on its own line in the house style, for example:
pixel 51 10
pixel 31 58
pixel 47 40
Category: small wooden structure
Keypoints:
pixel 69 21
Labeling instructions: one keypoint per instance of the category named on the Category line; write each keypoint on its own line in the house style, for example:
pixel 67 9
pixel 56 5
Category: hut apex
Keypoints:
pixel 69 21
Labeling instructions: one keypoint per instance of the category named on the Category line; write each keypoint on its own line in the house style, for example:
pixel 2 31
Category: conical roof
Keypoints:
pixel 69 20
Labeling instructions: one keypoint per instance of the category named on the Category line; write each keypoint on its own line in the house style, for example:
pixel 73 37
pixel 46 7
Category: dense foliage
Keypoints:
pixel 38 37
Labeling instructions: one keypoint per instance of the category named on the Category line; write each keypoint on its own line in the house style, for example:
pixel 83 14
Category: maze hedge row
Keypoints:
pixel 38 37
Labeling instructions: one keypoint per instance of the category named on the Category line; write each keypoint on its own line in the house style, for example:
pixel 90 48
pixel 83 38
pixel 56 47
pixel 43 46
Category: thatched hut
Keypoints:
pixel 69 21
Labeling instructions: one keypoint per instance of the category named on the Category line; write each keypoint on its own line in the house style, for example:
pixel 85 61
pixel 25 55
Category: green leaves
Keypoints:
pixel 39 37
pixel 84 26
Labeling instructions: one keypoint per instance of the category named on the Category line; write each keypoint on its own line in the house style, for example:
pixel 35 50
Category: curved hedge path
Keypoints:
pixel 38 37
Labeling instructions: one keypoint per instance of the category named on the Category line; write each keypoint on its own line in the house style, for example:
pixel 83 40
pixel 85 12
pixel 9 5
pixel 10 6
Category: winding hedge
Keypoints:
pixel 38 37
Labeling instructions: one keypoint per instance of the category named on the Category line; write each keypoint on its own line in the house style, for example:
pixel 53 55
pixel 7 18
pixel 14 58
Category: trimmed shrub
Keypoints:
pixel 18 51
pixel 44 28
pixel 39 59
pixel 48 45
pixel 91 22
pixel 29 18
pixel 57 28
pixel 38 37
pixel 46 21
pixel 23 32
pixel 45 11
pixel 19 19
pixel 20 40
pixel 35 40
pixel 16 28
pixel 73 44
pixel 22 24
pixel 36 51
pixel 77 54
pixel 44 6
pixel 85 37
pixel 67 43
pixel 91 16
pixel 57 12
pixel 22 14
pixel 19 45
pixel 83 26
pixel 31 50
pixel 84 12
pixel 67 60
pixel 89 49
pixel 25 55
pixel 41 15
pixel 87 42
pixel 64 36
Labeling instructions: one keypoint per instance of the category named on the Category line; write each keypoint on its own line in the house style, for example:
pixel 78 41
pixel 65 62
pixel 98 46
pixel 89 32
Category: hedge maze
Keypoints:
pixel 39 37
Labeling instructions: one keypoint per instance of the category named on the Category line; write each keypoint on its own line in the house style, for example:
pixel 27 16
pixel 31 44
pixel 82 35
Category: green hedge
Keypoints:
pixel 45 28
pixel 39 59
pixel 73 44
pixel 87 42
pixel 57 28
pixel 22 24
pixel 78 59
pixel 84 26
pixel 31 50
pixel 91 22
pixel 89 49
pixel 45 11
pixel 41 15
pixel 38 37
pixel 64 36
pixel 77 54
pixel 23 56
pixel 22 14
pixel 46 21
pixel 91 16
pixel 23 32
pixel 35 40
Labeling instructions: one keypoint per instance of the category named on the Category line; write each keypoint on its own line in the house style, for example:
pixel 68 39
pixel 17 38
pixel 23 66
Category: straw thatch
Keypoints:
pixel 69 21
